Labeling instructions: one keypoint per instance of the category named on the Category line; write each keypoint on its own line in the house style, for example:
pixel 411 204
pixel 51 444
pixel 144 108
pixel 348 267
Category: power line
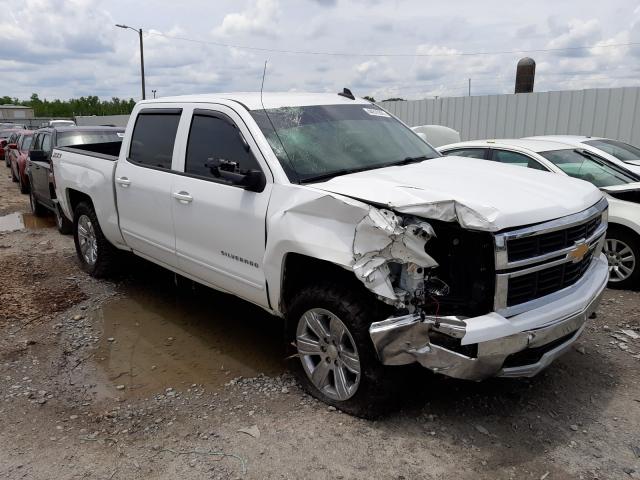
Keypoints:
pixel 405 55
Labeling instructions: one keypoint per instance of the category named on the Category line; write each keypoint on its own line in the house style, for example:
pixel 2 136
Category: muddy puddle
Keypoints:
pixel 154 340
pixel 21 221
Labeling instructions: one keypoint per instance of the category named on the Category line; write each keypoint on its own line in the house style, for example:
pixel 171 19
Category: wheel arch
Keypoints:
pixel 300 270
pixel 75 197
pixel 625 227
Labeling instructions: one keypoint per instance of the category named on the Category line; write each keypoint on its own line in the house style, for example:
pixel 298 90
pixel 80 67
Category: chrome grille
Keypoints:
pixel 543 282
pixel 540 262
pixel 527 247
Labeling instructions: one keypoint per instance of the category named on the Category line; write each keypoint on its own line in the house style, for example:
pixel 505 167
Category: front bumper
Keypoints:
pixel 491 345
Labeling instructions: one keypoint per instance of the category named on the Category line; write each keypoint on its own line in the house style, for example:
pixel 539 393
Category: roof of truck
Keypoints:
pixel 252 100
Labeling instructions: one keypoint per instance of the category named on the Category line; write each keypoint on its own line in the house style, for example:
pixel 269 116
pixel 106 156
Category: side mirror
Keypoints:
pixel 13 146
pixel 38 156
pixel 252 180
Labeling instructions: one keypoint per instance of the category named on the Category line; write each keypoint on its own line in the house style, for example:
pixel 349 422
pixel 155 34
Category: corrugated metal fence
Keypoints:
pixel 604 112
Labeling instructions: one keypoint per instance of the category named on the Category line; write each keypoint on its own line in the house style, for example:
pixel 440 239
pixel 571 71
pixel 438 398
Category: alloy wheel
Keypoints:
pixel 87 240
pixel 328 354
pixel 622 261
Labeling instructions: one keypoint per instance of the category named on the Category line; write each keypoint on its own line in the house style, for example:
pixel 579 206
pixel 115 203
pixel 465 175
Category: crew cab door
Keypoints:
pixel 220 227
pixel 143 185
pixel 40 170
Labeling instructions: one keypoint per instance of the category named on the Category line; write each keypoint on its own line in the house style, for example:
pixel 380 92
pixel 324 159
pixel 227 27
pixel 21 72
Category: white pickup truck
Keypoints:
pixel 330 212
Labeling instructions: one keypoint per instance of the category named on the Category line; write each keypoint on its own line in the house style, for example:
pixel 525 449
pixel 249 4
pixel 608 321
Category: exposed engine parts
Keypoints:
pixel 391 258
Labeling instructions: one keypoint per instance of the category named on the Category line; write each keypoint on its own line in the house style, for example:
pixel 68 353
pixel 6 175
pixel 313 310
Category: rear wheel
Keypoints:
pixel 337 362
pixel 37 209
pixel 622 249
pixel 97 256
pixel 65 227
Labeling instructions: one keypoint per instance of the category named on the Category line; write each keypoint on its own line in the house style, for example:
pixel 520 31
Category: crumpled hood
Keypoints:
pixel 480 195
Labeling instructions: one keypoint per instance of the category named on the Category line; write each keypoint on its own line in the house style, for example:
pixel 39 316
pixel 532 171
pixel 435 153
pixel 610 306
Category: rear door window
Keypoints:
pixel 517 159
pixel 468 152
pixel 37 141
pixel 46 143
pixel 215 139
pixel 153 138
pixel 26 142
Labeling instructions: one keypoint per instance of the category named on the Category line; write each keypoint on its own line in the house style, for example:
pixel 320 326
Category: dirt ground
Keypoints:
pixel 148 377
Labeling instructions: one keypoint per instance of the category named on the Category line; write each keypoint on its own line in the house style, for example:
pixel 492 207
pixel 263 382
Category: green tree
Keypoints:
pixel 91 105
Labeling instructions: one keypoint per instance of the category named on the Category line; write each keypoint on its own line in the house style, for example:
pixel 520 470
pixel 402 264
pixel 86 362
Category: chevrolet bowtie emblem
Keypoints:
pixel 578 253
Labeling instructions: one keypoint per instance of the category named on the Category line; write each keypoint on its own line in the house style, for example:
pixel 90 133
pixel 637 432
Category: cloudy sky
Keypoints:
pixel 71 48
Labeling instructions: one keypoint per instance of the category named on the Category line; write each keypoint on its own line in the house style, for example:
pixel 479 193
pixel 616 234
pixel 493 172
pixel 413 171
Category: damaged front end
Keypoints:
pixel 434 280
pixel 433 267
pixel 457 314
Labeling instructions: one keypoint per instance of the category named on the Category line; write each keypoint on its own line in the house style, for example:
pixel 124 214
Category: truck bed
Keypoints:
pixel 88 171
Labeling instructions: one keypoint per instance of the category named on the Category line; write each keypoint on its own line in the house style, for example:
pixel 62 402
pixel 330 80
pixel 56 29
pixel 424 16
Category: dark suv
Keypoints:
pixel 41 176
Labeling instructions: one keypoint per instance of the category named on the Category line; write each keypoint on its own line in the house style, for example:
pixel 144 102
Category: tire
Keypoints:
pixel 368 394
pixel 37 209
pixel 65 227
pixel 622 249
pixel 96 255
pixel 24 187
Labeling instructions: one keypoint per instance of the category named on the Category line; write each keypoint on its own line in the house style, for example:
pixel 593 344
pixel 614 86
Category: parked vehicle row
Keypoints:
pixel 28 154
pixel 582 157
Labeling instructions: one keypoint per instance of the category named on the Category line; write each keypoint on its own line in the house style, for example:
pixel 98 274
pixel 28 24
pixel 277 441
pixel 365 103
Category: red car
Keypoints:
pixel 4 140
pixel 18 153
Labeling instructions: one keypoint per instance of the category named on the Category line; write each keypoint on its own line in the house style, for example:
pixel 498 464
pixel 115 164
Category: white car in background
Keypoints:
pixel 620 153
pixel 621 187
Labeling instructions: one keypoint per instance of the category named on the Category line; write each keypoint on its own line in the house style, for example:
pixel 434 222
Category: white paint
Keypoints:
pixel 479 195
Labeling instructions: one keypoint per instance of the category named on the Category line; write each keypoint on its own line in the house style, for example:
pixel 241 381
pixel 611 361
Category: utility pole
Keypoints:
pixel 139 32
pixel 142 64
pixel 469 87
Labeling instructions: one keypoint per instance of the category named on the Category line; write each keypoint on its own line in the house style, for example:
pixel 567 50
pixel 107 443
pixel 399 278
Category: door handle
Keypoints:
pixel 182 197
pixel 124 182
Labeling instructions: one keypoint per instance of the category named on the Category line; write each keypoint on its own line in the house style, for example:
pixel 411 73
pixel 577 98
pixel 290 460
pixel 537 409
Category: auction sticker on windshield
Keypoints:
pixel 376 113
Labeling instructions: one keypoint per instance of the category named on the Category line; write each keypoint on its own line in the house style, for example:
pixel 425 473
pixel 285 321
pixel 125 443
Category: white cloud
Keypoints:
pixel 65 48
pixel 260 18
pixel 578 33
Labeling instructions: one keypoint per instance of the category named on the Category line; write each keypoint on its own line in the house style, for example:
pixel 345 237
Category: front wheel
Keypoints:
pixel 337 361
pixel 96 254
pixel 622 249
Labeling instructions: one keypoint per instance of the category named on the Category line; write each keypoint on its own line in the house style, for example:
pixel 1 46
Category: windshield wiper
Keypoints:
pixel 346 171
pixel 407 161
pixel 335 173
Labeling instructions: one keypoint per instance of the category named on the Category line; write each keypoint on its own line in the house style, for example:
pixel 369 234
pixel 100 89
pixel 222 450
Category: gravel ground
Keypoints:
pixel 144 377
